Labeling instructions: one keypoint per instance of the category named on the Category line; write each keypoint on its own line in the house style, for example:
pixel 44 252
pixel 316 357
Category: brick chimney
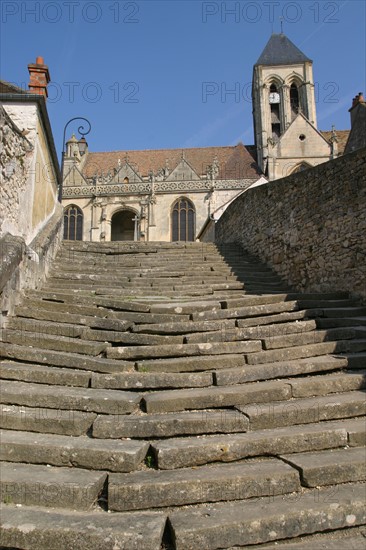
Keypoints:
pixel 39 77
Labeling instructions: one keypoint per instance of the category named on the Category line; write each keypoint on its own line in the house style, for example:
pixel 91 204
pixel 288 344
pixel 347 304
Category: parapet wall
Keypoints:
pixel 310 227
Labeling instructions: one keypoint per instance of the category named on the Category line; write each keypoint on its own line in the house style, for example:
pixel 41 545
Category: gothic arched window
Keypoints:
pixel 183 220
pixel 73 223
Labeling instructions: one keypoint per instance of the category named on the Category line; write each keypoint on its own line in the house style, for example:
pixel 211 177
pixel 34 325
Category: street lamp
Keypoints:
pixel 82 147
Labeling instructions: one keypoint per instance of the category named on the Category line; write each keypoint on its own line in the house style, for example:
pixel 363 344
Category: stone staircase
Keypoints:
pixel 180 396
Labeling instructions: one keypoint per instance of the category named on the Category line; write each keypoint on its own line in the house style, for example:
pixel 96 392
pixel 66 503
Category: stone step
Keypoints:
pixel 222 482
pixel 342 312
pixel 250 311
pixel 279 318
pixel 131 339
pixel 305 411
pixel 330 467
pixel 76 452
pixel 94 530
pixel 353 539
pixel 59 397
pixel 304 338
pixel 170 425
pixel 186 307
pixel 110 323
pixel 192 451
pixel 191 364
pixel 310 350
pixel 35 485
pixel 223 396
pixel 231 334
pixel 45 420
pixel 183 350
pixel 45 327
pixel 51 342
pixel 63 359
pixel 40 374
pixel 147 380
pixel 184 327
pixel 282 369
pixel 356 360
pixel 256 521
pixel 341 322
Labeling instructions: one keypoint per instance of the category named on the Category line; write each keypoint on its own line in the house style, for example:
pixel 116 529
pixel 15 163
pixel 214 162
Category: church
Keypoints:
pixel 177 195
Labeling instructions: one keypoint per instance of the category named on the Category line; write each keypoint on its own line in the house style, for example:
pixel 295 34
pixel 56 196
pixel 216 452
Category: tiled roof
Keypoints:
pixel 235 162
pixel 8 88
pixel 342 136
pixel 281 51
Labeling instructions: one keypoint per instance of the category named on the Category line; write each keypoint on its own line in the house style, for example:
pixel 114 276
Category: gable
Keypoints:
pixel 126 174
pixel 183 172
pixel 302 139
pixel 74 177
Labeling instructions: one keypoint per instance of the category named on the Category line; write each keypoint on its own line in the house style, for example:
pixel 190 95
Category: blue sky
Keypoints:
pixel 168 74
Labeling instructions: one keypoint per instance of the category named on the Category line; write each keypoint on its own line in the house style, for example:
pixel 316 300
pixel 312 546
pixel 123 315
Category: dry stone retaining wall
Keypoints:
pixel 310 227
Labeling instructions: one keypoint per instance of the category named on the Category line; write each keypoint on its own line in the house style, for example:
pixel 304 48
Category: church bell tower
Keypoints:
pixel 283 91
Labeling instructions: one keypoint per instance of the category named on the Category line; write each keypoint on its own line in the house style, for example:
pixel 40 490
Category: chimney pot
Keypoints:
pixel 39 60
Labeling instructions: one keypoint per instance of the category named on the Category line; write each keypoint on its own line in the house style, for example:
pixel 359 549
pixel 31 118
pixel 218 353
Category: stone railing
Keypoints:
pixel 157 187
pixel 309 227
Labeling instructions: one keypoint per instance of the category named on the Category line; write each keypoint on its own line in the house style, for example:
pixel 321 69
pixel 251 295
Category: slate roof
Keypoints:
pixel 281 51
pixel 235 162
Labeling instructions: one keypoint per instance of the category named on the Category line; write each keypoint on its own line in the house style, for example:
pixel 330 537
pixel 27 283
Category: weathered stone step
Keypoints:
pixel 279 318
pixel 250 311
pixel 345 303
pixel 224 525
pixel 341 322
pixel 51 342
pixel 222 482
pixel 58 397
pixel 344 312
pixel 313 337
pixel 61 530
pixel 184 328
pixel 170 425
pixel 192 451
pixel 45 327
pixel 147 380
pixel 191 364
pixel 352 538
pixel 183 350
pixel 149 318
pixel 232 334
pixel 40 374
pixel 45 420
pixel 310 350
pixel 186 307
pixel 63 359
pixel 330 467
pixel 79 452
pixel 73 308
pixel 305 411
pixel 131 339
pixel 328 383
pixel 356 360
pixel 35 485
pixel 282 369
pixel 110 323
pixel 178 400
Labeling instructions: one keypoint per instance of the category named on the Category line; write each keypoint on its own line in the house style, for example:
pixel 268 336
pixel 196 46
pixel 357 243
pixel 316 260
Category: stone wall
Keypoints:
pixel 16 153
pixel 309 227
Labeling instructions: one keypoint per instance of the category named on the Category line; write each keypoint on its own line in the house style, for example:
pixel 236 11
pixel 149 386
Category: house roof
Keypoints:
pixel 9 88
pixel 342 136
pixel 235 162
pixel 281 51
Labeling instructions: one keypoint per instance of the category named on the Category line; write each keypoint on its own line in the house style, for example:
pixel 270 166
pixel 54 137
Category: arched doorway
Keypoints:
pixel 73 223
pixel 124 226
pixel 183 220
